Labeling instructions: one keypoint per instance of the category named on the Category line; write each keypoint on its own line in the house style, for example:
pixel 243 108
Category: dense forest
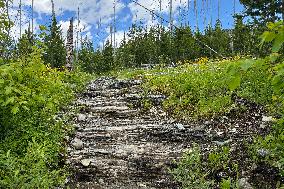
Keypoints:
pixel 205 74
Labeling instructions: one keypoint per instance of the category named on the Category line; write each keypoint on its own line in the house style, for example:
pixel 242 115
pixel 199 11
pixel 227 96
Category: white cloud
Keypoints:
pixel 18 25
pixel 154 5
pixel 90 10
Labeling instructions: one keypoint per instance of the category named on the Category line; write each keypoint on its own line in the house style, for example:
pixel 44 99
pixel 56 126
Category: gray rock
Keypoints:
pixel 86 162
pixel 233 130
pixel 263 152
pixel 78 144
pixel 244 184
pixel 207 122
pixel 179 126
pixel 219 143
pixel 81 117
pixel 101 181
pixel 267 119
pixel 262 126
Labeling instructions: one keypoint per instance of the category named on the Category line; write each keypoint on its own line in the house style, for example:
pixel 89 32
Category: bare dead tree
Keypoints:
pixel 171 16
pixel 20 12
pixel 161 20
pixel 52 7
pixel 33 17
pixel 114 23
pixel 218 9
pixel 196 13
pixel 77 33
pixel 282 9
pixel 110 30
pixel 70 47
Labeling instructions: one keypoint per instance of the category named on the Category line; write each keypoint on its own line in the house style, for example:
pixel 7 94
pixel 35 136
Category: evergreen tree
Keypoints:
pixel 26 43
pixel 107 57
pixel 221 40
pixel 242 37
pixel 6 44
pixel 209 40
pixel 185 47
pixel 263 11
pixel 86 56
pixel 165 43
pixel 124 57
pixel 55 53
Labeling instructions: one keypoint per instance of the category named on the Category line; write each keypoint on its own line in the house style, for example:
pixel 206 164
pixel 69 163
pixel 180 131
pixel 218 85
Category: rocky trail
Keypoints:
pixel 117 145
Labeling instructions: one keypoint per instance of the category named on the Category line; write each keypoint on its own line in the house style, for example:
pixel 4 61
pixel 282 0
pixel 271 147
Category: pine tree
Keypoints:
pixel 242 36
pixel 221 40
pixel 185 47
pixel 26 43
pixel 107 56
pixel 55 53
pixel 6 44
pixel 86 56
pixel 263 11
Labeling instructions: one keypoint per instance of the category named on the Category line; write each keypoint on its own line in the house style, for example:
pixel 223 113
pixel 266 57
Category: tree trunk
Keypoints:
pixel 69 47
pixel 32 17
pixel 282 9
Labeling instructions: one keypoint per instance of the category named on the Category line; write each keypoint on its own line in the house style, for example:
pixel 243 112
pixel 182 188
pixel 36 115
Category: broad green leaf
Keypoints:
pixel 234 82
pixel 270 36
pixel 25 108
pixel 232 69
pixel 8 153
pixel 23 102
pixel 8 90
pixel 248 63
pixel 270 25
pixel 279 40
pixel 17 91
pixel 15 110
pixel 50 105
pixel 2 81
pixel 267 37
pixel 10 100
pixel 273 57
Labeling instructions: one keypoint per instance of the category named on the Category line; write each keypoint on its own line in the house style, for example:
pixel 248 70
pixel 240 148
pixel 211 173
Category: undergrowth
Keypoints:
pixel 31 139
pixel 207 90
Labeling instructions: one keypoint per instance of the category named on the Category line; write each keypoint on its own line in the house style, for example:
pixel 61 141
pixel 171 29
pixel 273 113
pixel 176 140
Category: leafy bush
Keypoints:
pixel 274 142
pixel 31 94
pixel 193 171
pixel 205 90
pixel 190 171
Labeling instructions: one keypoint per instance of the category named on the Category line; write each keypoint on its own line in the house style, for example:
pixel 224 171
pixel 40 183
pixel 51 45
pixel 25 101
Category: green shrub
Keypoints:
pixel 205 90
pixel 31 94
pixel 190 171
pixel 193 171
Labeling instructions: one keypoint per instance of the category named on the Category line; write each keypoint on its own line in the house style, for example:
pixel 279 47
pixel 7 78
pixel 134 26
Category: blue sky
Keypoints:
pixel 96 15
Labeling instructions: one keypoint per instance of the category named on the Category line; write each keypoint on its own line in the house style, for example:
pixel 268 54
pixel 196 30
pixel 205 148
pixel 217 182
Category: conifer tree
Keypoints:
pixel 55 53
pixel 107 56
pixel 86 56
pixel 221 40
pixel 263 11
pixel 25 43
pixel 5 26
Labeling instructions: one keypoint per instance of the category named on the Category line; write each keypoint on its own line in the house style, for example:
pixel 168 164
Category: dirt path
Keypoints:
pixel 117 146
